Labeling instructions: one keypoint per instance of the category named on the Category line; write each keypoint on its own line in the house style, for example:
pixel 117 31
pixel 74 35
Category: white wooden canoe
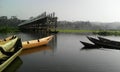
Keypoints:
pixel 7 46
pixel 9 50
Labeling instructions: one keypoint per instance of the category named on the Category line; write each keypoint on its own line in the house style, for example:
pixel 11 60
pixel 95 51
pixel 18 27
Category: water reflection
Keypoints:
pixel 36 49
pixel 53 42
pixel 101 48
pixel 89 48
pixel 67 56
pixel 14 65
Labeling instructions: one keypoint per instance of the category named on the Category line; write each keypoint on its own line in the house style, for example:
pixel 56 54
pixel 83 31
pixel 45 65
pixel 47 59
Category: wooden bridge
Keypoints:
pixel 45 23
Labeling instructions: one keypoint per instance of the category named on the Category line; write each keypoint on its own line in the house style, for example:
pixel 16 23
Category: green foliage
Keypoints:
pixel 6 29
pixel 107 32
pixel 74 31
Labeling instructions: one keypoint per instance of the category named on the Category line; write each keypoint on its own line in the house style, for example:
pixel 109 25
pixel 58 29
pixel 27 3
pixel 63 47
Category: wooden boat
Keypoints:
pixel 36 43
pixel 7 46
pixel 96 41
pixel 104 44
pixel 103 39
pixel 88 44
pixel 109 41
pixel 11 49
pixel 14 65
pixel 8 38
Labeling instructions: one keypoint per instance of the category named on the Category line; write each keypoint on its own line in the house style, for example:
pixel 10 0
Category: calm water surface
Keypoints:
pixel 65 54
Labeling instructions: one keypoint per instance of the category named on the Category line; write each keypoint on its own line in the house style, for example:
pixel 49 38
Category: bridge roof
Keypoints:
pixel 43 15
pixel 30 21
pixel 40 17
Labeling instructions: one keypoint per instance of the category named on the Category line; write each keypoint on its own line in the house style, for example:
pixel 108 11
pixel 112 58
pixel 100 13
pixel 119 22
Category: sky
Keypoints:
pixel 69 10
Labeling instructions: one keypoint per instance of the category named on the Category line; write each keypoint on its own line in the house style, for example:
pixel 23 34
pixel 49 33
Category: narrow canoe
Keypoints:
pixel 36 43
pixel 7 46
pixel 6 55
pixel 109 41
pixel 8 38
pixel 9 60
pixel 104 44
pixel 95 41
pixel 14 65
pixel 89 45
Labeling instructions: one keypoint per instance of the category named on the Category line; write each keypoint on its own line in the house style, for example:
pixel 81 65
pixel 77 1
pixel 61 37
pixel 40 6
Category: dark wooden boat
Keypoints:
pixel 88 44
pixel 104 39
pixel 104 44
pixel 109 41
pixel 95 41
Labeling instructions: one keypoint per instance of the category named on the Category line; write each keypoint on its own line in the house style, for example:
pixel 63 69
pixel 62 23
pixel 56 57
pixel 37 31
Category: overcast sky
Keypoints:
pixel 71 10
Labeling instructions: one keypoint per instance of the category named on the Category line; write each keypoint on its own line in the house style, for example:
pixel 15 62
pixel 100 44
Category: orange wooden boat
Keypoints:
pixel 36 43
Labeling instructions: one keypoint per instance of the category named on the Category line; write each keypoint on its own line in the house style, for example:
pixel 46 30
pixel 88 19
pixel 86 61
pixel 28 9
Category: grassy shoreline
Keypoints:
pixel 75 31
pixel 98 32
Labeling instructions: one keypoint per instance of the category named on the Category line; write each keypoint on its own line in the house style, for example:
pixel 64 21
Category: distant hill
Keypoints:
pixel 88 25
pixel 112 25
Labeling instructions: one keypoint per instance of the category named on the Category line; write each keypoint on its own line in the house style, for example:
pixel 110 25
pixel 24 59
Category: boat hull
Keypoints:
pixel 117 43
pixel 8 45
pixel 9 60
pixel 104 44
pixel 88 44
pixel 36 43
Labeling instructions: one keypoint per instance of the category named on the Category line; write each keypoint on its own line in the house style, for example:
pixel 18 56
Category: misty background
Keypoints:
pixel 72 14
pixel 79 25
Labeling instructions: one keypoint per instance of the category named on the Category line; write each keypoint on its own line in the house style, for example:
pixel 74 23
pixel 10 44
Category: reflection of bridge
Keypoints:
pixel 42 23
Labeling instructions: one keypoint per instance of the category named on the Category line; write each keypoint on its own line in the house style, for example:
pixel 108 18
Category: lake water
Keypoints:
pixel 65 54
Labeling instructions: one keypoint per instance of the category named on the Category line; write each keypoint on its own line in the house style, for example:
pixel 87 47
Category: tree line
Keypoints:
pixel 11 22
pixel 87 25
pixel 79 25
